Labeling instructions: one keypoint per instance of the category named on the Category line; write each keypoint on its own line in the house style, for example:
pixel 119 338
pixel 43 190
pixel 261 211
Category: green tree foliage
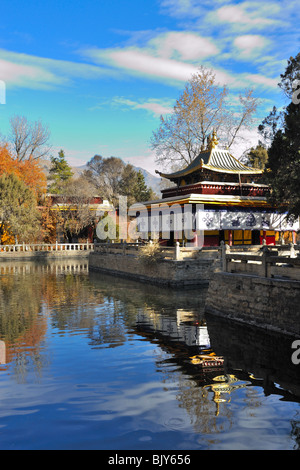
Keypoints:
pixel 113 178
pixel 290 76
pixel 60 172
pixel 18 208
pixel 134 187
pixel 258 156
pixel 144 193
pixel 283 167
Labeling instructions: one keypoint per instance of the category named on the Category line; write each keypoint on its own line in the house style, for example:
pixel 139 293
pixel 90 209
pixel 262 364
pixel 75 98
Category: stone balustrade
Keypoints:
pixel 175 252
pixel 268 262
pixel 34 247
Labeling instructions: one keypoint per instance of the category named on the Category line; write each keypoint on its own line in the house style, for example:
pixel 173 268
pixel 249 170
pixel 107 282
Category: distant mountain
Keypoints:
pixel 151 181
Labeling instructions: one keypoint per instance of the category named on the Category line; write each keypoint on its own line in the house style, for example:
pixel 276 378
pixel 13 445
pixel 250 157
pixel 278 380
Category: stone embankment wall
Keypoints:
pixel 272 304
pixel 166 271
pixel 42 255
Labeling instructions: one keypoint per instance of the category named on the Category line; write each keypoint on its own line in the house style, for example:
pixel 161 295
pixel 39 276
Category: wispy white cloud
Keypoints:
pixel 24 70
pixel 250 45
pixel 139 61
pixel 180 8
pixel 153 106
pixel 258 79
pixel 263 33
pixel 29 76
pixel 270 65
pixel 248 14
pixel 183 45
pixel 149 63
pixel 170 56
pixel 174 56
pixel 244 15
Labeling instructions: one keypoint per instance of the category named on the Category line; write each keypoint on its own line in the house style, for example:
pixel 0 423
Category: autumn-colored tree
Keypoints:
pixel 33 176
pixel 28 171
pixel 49 220
pixel 6 237
pixel 5 160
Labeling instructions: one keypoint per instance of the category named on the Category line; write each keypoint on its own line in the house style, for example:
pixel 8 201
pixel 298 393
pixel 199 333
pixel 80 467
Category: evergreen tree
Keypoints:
pixel 18 208
pixel 60 172
pixel 143 193
pixel 258 157
pixel 133 186
pixel 283 167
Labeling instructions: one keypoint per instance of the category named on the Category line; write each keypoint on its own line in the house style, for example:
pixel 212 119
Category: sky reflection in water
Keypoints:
pixel 96 362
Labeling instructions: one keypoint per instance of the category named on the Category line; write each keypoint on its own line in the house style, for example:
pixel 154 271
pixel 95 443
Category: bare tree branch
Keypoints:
pixel 249 106
pixel 28 140
pixel 202 107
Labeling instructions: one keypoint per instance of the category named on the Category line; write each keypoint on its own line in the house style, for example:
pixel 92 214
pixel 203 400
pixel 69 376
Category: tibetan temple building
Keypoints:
pixel 227 199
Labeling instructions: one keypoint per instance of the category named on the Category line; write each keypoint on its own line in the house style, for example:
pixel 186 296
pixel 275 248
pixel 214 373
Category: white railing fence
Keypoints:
pixel 37 247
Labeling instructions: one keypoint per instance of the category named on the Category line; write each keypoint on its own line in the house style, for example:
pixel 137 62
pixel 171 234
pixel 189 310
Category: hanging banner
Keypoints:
pixel 164 220
pixel 225 220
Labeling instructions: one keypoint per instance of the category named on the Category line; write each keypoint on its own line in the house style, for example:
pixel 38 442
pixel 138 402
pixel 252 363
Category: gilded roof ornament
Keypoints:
pixel 213 141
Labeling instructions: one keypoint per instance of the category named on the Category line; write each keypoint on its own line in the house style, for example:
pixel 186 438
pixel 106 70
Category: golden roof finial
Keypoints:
pixel 214 141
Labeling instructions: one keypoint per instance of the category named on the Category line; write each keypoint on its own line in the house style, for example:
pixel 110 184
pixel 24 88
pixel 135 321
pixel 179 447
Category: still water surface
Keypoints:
pixel 90 361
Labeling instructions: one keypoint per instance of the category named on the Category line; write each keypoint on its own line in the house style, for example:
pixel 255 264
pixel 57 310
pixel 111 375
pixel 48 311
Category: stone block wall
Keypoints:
pixel 42 255
pixel 168 272
pixel 269 303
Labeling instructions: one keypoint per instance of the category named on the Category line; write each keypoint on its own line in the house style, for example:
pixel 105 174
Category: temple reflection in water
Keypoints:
pixel 210 361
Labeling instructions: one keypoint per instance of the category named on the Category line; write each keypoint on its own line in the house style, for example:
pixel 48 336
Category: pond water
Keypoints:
pixel 90 361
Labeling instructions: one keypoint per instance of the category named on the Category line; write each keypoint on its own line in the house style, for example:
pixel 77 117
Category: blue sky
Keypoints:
pixel 100 73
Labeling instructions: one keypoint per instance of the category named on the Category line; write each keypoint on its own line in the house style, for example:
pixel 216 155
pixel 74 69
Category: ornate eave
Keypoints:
pixel 220 200
pixel 214 159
